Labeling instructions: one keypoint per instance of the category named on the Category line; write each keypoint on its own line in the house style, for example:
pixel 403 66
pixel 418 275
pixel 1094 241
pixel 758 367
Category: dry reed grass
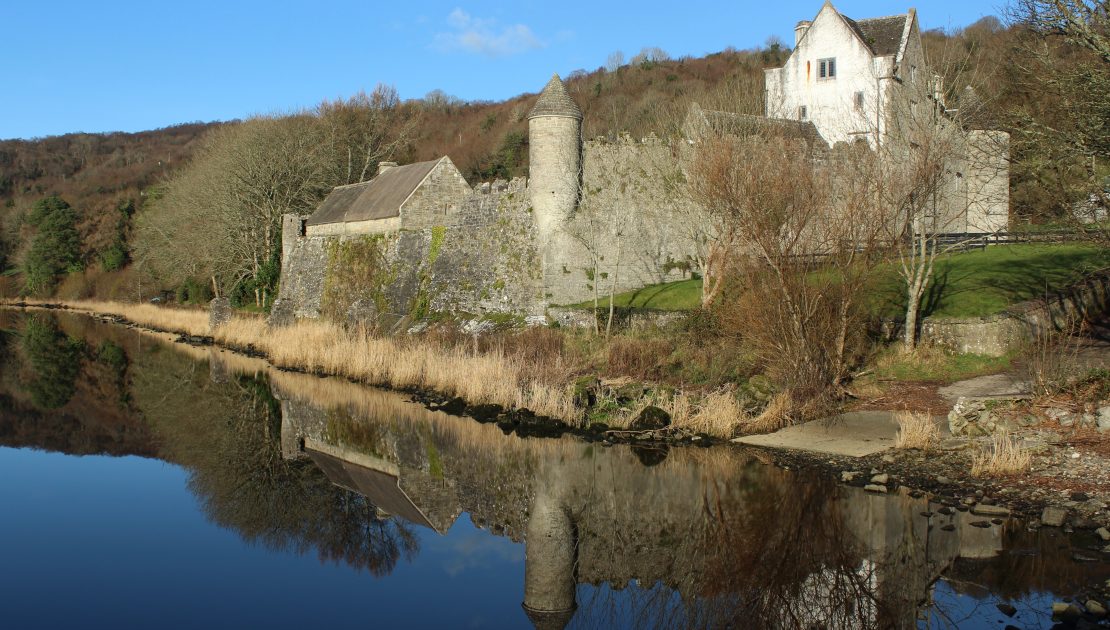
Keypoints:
pixel 775 416
pixel 1003 456
pixel 717 413
pixel 478 375
pixel 916 430
pixel 924 357
pixel 326 348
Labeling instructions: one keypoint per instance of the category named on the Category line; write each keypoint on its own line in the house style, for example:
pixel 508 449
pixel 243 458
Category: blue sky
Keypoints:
pixel 134 65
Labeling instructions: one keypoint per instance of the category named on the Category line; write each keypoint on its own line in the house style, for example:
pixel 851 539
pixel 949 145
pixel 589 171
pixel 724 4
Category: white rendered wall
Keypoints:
pixel 341 228
pixel 988 181
pixel 831 103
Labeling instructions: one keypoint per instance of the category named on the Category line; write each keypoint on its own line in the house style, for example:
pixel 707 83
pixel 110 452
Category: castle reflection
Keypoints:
pixel 736 540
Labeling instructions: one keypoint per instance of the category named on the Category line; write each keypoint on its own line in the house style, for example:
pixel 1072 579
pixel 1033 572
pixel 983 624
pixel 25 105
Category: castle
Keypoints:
pixel 603 215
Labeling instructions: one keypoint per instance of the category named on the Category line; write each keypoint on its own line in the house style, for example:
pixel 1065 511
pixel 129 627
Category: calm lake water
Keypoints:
pixel 152 484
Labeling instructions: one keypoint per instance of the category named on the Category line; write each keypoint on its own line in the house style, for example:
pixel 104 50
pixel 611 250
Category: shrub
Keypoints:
pixel 1003 456
pixel 114 257
pixel 644 359
pixel 193 291
pixel 916 430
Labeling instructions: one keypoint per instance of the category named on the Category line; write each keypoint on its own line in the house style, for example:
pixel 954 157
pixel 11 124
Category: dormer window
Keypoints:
pixel 826 68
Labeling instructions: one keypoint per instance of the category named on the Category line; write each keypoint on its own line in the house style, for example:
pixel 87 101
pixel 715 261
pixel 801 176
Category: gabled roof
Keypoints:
pixel 731 124
pixel 379 198
pixel 377 480
pixel 882 35
pixel 554 101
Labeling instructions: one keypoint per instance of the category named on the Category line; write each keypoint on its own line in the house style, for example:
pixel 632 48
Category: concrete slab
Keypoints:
pixel 855 434
pixel 990 386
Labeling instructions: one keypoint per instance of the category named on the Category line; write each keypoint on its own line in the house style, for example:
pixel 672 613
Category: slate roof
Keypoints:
pixel 882 35
pixel 379 198
pixel 380 487
pixel 554 101
pixel 728 123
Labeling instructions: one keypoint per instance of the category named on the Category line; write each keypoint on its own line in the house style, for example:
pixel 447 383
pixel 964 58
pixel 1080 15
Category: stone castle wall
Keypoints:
pixel 438 200
pixel 477 257
pixel 633 227
pixel 483 251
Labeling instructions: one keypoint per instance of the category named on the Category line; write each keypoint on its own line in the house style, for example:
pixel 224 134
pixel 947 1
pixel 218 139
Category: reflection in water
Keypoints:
pixel 705 538
pixel 54 359
pixel 619 536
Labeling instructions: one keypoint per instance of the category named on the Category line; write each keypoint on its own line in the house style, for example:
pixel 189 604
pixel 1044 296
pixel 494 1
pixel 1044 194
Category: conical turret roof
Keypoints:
pixel 554 101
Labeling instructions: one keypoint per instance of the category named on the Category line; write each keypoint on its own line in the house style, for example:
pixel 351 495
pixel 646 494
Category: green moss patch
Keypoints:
pixel 356 271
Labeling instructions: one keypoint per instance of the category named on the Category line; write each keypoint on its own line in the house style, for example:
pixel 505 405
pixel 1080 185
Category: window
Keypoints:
pixel 913 74
pixel 859 101
pixel 826 68
pixel 803 113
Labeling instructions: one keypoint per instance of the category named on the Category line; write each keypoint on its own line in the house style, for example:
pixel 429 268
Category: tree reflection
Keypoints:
pixel 55 360
pixel 774 554
pixel 228 435
pixel 786 559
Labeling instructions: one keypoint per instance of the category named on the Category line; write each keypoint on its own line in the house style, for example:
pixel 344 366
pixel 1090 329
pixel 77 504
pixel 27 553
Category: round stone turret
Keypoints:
pixel 555 157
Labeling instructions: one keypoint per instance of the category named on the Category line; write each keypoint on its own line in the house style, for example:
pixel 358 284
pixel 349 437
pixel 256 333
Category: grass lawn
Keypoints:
pixel 682 295
pixel 983 282
pixel 969 284
pixel 934 364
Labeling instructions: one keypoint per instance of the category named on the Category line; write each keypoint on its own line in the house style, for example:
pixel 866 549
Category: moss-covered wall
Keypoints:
pixel 481 258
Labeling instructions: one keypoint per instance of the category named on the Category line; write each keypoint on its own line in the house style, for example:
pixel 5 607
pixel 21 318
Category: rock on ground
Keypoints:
pixel 1053 516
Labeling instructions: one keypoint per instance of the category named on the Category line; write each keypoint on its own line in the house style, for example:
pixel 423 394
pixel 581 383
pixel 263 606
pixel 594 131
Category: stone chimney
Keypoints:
pixel 800 31
pixel 385 166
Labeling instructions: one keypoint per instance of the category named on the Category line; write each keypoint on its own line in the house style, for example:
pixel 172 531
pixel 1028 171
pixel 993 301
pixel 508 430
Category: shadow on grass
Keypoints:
pixel 988 281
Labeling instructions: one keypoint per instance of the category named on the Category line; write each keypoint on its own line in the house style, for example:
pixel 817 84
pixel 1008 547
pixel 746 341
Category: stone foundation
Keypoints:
pixel 996 335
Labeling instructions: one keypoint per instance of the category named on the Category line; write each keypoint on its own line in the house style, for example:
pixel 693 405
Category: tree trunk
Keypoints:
pixel 597 277
pixel 713 278
pixel 909 333
pixel 613 290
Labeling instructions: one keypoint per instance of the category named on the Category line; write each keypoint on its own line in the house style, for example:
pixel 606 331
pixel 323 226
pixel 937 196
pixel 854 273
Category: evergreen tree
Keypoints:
pixel 56 247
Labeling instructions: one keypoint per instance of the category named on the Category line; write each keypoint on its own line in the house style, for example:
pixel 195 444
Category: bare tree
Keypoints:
pixel 364 129
pixel 1061 136
pixel 803 239
pixel 221 217
pixel 614 61
pixel 607 214
pixel 940 181
pixel 1084 23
